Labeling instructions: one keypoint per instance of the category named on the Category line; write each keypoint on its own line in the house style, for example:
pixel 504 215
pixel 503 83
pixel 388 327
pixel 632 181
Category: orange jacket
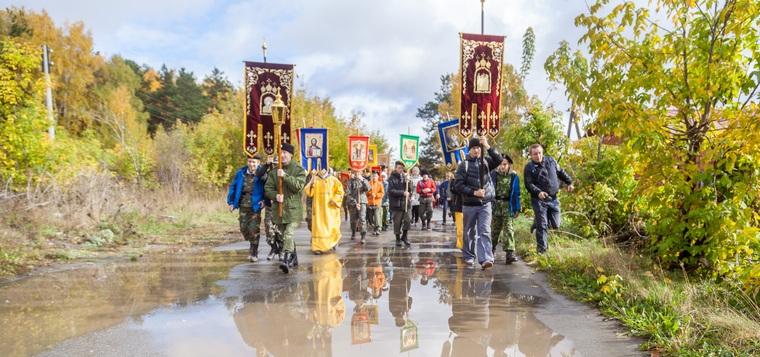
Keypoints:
pixel 375 193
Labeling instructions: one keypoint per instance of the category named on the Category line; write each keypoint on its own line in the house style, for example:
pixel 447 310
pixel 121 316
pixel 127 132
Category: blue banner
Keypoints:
pixel 313 143
pixel 453 145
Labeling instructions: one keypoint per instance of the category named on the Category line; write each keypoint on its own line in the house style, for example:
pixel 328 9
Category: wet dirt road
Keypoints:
pixel 371 300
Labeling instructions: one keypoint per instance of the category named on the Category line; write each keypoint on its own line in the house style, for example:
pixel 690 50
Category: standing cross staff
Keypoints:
pixel 279 110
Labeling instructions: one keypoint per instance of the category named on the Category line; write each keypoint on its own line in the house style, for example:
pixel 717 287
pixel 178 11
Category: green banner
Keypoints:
pixel 410 149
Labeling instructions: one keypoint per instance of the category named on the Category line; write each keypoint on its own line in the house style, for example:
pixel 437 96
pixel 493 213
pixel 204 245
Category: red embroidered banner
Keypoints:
pixel 481 57
pixel 263 81
pixel 358 152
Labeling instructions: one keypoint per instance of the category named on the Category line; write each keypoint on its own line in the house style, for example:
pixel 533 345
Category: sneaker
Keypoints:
pixel 469 261
pixel 253 259
pixel 487 265
pixel 362 241
pixel 510 257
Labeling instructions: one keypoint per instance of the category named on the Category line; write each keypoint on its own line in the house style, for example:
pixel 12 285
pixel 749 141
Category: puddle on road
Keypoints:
pixel 374 302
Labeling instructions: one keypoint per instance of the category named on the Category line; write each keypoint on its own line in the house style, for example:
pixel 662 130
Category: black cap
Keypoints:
pixel 506 157
pixel 474 142
pixel 289 148
pixel 400 163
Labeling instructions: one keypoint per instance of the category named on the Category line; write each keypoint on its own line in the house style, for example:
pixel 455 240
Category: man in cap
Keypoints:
pixel 293 180
pixel 246 193
pixel 506 207
pixel 473 182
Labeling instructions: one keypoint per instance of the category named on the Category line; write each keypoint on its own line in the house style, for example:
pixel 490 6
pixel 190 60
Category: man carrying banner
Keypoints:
pixel 246 193
pixel 426 191
pixel 473 182
pixel 293 179
pixel 326 193
pixel 374 199
pixel 356 199
pixel 399 193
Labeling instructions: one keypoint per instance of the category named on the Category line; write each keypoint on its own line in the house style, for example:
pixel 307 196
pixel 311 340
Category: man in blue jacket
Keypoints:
pixel 473 181
pixel 506 207
pixel 246 193
pixel 542 178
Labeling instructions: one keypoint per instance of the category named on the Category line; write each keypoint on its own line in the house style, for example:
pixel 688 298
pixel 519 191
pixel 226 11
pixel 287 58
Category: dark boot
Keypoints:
pixel 353 235
pixel 405 240
pixel 364 234
pixel 398 240
pixel 288 262
pixel 272 250
pixel 511 257
pixel 253 251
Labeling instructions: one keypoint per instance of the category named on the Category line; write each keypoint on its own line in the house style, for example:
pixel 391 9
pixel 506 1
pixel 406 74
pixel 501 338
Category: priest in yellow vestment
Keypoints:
pixel 326 193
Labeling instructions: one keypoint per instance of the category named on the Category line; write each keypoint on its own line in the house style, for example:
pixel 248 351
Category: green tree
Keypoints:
pixel 528 51
pixel 431 158
pixel 23 144
pixel 217 88
pixel 678 83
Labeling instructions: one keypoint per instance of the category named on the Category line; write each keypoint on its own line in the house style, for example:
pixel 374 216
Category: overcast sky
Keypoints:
pixel 381 57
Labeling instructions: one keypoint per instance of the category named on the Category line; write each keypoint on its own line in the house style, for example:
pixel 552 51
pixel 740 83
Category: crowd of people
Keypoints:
pixel 482 197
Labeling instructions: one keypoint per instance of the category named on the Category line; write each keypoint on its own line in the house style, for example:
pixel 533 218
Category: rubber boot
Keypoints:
pixel 272 250
pixel 364 234
pixel 288 262
pixel 511 257
pixel 405 240
pixel 353 235
pixel 398 240
pixel 253 252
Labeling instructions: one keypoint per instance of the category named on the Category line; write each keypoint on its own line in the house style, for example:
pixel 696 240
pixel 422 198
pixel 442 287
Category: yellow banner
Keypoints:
pixel 372 156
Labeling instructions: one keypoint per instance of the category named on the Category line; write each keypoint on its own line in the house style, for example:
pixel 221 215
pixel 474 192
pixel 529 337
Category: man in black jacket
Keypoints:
pixel 399 192
pixel 473 182
pixel 542 179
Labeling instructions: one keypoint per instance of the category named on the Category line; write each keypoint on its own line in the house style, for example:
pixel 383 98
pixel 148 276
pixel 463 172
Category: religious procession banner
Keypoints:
pixel 263 81
pixel 372 155
pixel 410 145
pixel 384 159
pixel 481 57
pixel 313 143
pixel 358 150
pixel 453 145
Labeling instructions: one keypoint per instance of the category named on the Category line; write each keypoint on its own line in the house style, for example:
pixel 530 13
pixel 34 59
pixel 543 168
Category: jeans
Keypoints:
pixel 546 215
pixel 477 233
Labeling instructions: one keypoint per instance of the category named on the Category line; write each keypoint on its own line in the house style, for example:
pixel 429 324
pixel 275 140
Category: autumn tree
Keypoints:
pixel 679 84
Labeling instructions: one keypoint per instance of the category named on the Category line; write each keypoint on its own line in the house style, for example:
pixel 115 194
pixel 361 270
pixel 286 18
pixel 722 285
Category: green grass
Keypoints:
pixel 676 314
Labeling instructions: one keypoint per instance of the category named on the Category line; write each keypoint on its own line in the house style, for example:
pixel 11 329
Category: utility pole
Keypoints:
pixel 482 16
pixel 48 90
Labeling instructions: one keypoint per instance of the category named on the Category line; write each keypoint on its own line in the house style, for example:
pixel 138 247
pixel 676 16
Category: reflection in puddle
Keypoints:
pixel 425 303
pixel 377 303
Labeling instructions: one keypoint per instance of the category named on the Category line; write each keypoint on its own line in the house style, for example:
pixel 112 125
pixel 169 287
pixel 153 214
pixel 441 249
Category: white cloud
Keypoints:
pixel 382 57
